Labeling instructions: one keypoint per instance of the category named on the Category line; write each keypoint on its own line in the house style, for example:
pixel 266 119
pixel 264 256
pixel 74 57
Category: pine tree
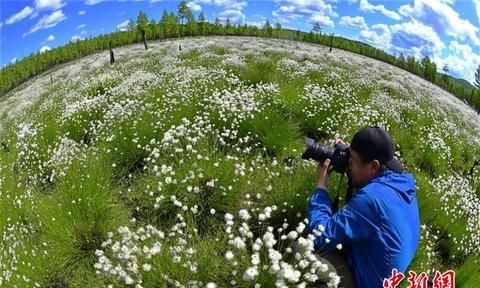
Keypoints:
pixel 477 78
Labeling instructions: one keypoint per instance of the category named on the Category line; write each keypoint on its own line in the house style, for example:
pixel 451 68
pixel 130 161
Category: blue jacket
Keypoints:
pixel 378 228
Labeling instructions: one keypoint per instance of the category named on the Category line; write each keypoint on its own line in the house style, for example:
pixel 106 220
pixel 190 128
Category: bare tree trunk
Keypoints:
pixel 331 42
pixel 112 56
pixel 144 39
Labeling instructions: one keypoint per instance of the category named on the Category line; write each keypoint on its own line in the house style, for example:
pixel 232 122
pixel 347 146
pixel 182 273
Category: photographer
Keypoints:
pixel 379 226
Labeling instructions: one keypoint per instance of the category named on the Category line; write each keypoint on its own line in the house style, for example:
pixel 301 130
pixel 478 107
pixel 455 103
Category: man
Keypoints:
pixel 379 227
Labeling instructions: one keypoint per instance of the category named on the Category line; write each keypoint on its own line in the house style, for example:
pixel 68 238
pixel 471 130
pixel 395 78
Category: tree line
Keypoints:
pixel 183 24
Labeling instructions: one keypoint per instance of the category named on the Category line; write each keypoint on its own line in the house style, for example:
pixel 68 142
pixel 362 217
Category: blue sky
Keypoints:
pixel 445 30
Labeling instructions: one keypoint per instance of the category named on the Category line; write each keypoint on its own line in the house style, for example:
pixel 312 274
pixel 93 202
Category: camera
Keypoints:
pixel 339 155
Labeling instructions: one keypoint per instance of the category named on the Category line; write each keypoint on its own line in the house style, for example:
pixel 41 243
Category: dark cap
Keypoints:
pixel 375 143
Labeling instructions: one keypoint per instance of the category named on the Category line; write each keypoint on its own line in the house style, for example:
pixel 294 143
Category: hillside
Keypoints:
pixel 182 167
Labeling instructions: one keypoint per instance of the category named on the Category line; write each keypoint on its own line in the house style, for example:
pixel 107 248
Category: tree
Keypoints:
pixel 477 78
pixel 142 21
pixel 400 61
pixel 201 22
pixel 317 28
pixel 183 10
pixel 267 28
pixel 131 25
pixel 445 76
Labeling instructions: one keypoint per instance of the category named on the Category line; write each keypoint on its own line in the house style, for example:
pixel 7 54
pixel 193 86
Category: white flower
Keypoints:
pixel 250 273
pixel 243 214
pixel 300 227
pixel 211 285
pixel 229 255
pixel 228 217
pixel 255 259
pixel 146 267
pixel 292 235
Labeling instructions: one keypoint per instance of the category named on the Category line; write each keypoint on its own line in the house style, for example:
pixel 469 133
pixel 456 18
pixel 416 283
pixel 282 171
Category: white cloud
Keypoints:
pixel 442 18
pixel 195 7
pixel 47 21
pixel 367 7
pixel 45 48
pixel 380 36
pixel 82 12
pixel 34 11
pixel 81 26
pixel 49 4
pixel 13 60
pixel 477 8
pixel 50 38
pixel 410 38
pixel 24 13
pixel 356 21
pixel 93 2
pixel 258 24
pixel 232 9
pixel 235 16
pixel 461 62
pixel 415 38
pixel 123 26
pixel 313 10
pixel 76 38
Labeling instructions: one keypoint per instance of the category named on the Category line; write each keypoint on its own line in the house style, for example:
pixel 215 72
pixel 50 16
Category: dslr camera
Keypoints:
pixel 339 154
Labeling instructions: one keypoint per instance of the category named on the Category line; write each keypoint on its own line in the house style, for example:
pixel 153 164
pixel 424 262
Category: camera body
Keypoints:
pixel 339 155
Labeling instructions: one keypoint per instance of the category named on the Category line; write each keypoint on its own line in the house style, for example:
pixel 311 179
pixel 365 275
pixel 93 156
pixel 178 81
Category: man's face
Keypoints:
pixel 360 172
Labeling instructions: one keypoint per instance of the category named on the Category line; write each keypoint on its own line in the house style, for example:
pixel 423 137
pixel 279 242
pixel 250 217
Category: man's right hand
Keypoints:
pixel 340 141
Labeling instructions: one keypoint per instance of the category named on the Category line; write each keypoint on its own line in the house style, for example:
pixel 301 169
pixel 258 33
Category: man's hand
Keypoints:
pixel 323 171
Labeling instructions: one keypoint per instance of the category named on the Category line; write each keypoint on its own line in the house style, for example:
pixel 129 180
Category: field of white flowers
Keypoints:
pixel 182 168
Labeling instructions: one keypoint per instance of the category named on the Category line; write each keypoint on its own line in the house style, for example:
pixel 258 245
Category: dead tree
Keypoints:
pixel 144 39
pixel 331 42
pixel 112 56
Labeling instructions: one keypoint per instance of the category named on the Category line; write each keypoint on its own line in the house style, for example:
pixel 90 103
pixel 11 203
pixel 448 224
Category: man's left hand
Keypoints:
pixel 323 171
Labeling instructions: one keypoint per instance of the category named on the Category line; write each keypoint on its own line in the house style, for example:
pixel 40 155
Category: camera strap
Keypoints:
pixel 349 194
pixel 337 198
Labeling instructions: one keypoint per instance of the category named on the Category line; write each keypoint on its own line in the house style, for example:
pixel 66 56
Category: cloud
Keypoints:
pixel 82 12
pixel 415 38
pixel 1 24
pixel 39 6
pixel 235 16
pixel 50 38
pixel 232 9
pixel 93 2
pixel 410 38
pixel 462 61
pixel 365 6
pixel 47 21
pixel 81 26
pixel 24 13
pixel 357 21
pixel 380 36
pixel 45 48
pixel 442 18
pixel 477 9
pixel 13 60
pixel 123 26
pixel 49 4
pixel 195 7
pixel 76 38
pixel 313 10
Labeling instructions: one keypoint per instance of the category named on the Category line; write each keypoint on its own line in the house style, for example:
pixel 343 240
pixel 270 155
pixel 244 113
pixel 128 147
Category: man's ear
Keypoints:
pixel 375 164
